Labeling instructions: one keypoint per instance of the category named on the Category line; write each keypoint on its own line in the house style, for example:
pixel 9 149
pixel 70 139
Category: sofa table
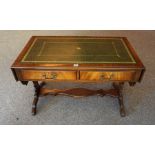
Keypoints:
pixel 78 59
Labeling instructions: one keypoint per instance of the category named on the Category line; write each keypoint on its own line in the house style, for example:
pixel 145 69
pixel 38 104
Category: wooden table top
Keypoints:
pixel 59 51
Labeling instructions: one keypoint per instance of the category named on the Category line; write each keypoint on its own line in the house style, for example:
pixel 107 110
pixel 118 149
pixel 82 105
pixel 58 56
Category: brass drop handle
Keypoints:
pixel 52 76
pixel 103 76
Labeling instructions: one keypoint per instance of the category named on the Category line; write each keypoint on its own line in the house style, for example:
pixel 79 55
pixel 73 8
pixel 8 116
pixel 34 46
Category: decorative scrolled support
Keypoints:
pixel 37 88
pixel 79 92
pixel 24 82
pixel 132 83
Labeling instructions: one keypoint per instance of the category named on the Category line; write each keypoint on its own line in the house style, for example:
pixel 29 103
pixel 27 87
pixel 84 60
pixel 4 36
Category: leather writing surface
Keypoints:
pixel 78 50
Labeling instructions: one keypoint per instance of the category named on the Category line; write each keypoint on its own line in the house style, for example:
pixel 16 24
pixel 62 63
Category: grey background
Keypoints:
pixel 16 99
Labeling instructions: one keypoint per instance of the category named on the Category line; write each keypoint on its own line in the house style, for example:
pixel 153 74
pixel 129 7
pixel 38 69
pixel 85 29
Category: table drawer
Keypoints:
pixel 47 75
pixel 114 75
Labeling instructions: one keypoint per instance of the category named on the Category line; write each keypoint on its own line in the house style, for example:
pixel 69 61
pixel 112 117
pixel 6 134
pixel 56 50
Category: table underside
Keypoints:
pixel 78 50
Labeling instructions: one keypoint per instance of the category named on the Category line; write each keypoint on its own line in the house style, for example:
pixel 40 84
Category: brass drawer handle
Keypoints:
pixel 103 76
pixel 52 76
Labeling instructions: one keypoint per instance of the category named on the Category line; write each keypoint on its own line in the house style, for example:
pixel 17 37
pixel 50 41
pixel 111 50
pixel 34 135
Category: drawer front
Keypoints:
pixel 114 75
pixel 47 75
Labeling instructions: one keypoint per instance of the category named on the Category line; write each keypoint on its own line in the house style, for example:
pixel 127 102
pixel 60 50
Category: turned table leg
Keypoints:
pixel 36 96
pixel 119 87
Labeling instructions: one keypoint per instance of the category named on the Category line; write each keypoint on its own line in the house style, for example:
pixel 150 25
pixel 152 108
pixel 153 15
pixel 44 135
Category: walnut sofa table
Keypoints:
pixel 78 59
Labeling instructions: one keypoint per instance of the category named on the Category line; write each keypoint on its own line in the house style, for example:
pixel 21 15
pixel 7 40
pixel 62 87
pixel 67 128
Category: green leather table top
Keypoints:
pixel 78 50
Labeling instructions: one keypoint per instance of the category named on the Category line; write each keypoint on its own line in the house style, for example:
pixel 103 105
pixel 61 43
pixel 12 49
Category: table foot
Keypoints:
pixel 122 107
pixel 34 106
